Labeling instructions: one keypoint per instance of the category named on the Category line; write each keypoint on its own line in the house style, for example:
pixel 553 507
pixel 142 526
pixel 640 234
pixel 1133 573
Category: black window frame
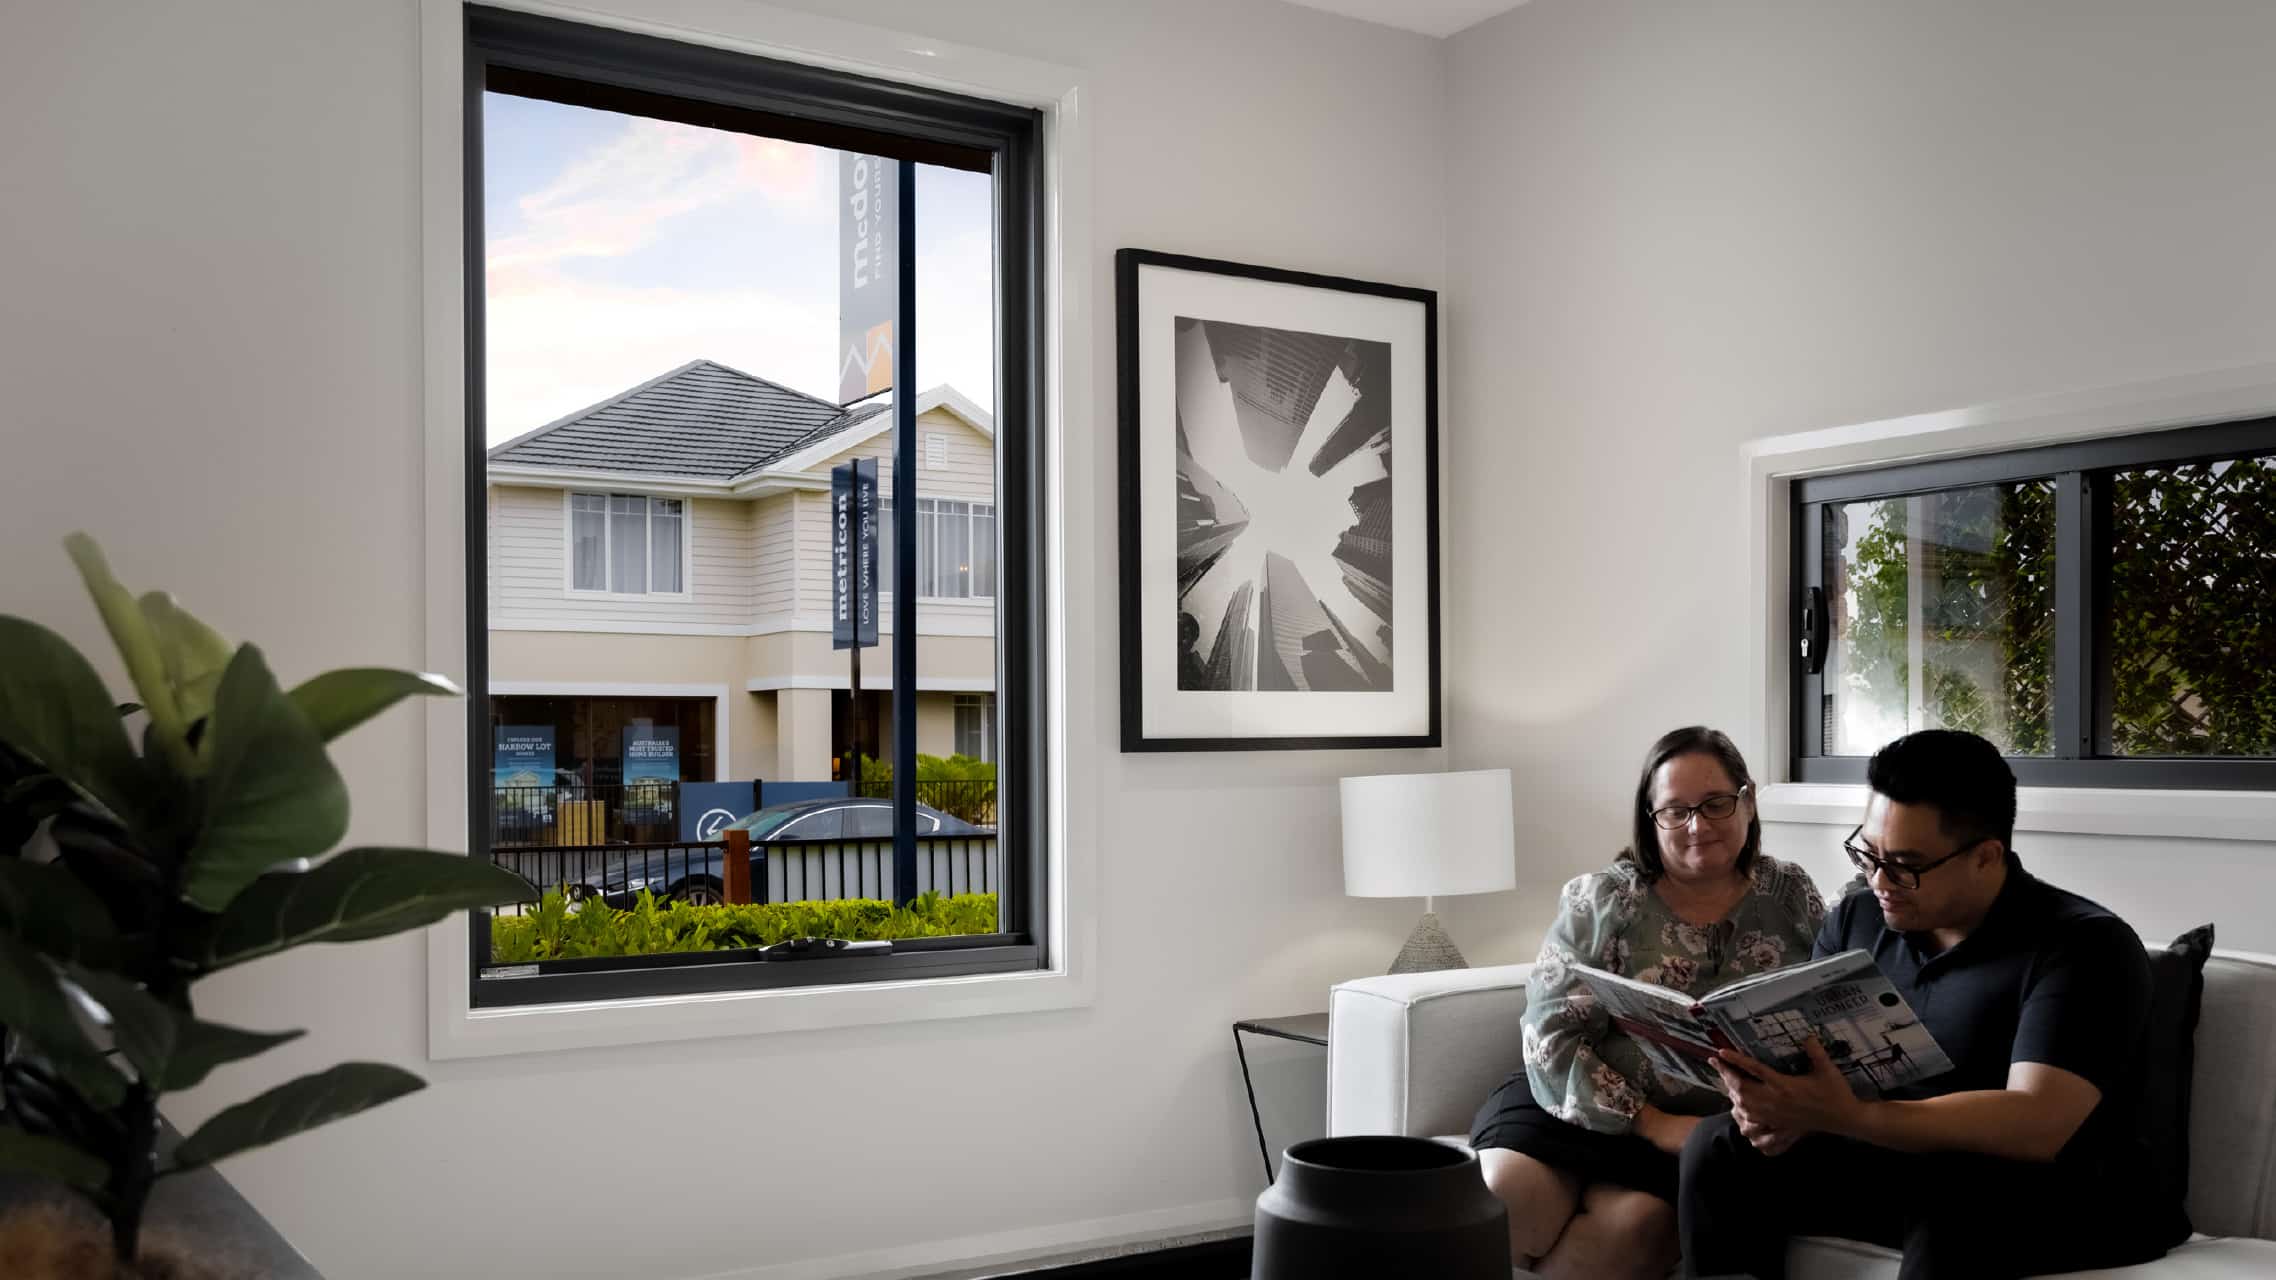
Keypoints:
pixel 541 57
pixel 2078 725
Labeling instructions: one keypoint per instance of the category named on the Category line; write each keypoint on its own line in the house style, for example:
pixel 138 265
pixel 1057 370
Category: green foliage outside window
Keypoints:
pixel 2192 646
pixel 2190 649
pixel 961 786
pixel 553 931
pixel 1989 603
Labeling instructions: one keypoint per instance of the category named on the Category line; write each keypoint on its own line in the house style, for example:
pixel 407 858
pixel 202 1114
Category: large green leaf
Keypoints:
pixel 272 794
pixel 194 654
pixel 338 701
pixel 47 907
pixel 294 1107
pixel 53 1158
pixel 169 1047
pixel 358 893
pixel 138 649
pixel 34 1006
pixel 55 713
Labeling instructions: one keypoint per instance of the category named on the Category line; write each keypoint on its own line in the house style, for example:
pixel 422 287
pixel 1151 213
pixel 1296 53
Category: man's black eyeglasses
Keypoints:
pixel 1721 805
pixel 1899 874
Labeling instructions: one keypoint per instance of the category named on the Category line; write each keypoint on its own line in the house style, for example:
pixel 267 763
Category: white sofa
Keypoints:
pixel 1417 1053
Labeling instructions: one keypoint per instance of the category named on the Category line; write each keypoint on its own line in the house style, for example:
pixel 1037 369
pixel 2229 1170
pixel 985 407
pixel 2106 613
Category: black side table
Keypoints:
pixel 1306 1028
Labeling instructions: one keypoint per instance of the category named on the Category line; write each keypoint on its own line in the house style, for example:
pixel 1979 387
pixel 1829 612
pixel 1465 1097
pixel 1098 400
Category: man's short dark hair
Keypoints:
pixel 1961 775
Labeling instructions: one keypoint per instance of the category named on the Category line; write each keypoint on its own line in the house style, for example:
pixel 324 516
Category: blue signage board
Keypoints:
pixel 523 756
pixel 705 807
pixel 853 554
pixel 651 771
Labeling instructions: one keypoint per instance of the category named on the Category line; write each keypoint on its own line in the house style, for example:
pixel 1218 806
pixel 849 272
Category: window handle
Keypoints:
pixel 1814 632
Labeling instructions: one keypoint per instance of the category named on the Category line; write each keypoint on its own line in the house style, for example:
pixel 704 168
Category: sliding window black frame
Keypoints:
pixel 533 56
pixel 2079 705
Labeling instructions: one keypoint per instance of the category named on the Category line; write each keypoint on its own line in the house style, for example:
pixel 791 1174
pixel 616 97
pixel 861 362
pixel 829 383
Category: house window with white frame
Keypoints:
pixel 976 726
pixel 956 549
pixel 626 544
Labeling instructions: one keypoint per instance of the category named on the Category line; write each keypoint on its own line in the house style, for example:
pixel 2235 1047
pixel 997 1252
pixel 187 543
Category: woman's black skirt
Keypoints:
pixel 1513 1121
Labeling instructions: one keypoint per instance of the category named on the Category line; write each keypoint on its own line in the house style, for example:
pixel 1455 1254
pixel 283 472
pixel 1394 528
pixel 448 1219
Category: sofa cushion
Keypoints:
pixel 2199 1258
pixel 2232 1108
pixel 2169 1058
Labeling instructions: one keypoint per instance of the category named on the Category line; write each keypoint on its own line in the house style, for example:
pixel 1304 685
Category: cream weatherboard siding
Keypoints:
pixel 967 474
pixel 528 581
pixel 774 574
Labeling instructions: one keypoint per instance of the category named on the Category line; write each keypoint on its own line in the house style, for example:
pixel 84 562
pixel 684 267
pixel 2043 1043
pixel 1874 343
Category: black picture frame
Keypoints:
pixel 1133 426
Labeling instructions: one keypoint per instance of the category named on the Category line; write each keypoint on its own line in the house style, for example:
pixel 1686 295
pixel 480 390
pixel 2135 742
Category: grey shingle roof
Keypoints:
pixel 702 419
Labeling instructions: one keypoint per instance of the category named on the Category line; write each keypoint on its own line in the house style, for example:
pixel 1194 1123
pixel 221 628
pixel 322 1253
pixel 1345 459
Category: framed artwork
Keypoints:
pixel 1279 471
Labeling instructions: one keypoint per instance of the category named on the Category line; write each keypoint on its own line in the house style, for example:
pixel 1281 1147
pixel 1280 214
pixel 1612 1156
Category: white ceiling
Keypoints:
pixel 1439 18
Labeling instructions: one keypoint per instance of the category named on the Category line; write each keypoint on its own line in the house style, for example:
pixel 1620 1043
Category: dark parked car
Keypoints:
pixel 695 875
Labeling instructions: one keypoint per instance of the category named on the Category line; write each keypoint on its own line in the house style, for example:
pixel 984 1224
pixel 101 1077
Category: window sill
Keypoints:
pixel 2095 811
pixel 457 1031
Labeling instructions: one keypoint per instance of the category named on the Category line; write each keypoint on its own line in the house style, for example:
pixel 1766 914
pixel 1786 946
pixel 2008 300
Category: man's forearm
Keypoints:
pixel 1993 1122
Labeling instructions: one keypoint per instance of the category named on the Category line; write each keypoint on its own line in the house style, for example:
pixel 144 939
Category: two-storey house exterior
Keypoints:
pixel 662 560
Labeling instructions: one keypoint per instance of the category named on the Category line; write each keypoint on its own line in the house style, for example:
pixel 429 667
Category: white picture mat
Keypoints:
pixel 1166 293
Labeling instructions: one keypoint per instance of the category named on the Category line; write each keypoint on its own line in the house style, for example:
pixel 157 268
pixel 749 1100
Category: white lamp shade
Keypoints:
pixel 1416 835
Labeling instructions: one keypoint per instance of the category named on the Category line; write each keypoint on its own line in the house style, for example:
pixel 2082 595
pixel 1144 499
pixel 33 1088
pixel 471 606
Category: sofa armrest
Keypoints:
pixel 1417 1053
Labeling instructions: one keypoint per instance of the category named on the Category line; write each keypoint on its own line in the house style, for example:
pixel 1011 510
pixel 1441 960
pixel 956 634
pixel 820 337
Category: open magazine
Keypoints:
pixel 1866 1027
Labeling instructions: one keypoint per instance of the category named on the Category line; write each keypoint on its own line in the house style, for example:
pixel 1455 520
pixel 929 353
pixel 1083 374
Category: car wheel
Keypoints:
pixel 703 892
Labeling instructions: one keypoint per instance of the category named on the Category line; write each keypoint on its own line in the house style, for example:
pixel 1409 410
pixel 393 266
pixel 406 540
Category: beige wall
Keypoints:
pixel 807 655
pixel 936 724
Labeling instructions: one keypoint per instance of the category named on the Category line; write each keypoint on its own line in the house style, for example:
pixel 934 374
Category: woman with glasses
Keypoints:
pixel 1582 1144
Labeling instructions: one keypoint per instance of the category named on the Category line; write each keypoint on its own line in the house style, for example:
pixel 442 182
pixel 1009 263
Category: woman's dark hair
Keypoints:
pixel 1695 739
pixel 1960 775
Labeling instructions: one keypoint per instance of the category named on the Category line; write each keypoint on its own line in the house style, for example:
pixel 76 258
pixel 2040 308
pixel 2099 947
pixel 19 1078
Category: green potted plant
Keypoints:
pixel 163 865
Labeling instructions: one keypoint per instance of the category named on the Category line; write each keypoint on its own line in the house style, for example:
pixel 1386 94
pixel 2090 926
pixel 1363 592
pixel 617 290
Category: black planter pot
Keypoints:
pixel 1380 1206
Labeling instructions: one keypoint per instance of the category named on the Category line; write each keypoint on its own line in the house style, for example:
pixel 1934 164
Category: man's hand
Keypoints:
pixel 1774 1110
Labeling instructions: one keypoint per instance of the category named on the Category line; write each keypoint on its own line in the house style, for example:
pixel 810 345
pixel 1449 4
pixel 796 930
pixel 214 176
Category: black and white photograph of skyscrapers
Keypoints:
pixel 1278 434
pixel 1284 509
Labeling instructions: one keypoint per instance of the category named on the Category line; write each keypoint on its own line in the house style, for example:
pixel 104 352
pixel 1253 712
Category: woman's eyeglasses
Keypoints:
pixel 1902 875
pixel 1722 804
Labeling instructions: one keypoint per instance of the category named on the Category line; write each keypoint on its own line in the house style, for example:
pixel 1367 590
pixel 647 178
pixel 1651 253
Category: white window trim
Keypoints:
pixel 569 588
pixel 1072 799
pixel 1770 465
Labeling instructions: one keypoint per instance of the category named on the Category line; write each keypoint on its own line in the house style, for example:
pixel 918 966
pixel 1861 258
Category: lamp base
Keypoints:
pixel 1428 948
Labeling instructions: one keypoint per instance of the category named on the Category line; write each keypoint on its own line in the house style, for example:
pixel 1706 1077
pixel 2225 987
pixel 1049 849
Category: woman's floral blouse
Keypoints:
pixel 1581 1068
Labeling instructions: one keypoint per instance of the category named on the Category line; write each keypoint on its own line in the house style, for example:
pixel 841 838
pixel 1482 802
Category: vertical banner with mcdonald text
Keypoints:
pixel 869 273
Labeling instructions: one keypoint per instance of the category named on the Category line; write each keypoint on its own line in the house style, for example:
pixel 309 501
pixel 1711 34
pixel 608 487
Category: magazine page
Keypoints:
pixel 1857 1014
pixel 1661 1022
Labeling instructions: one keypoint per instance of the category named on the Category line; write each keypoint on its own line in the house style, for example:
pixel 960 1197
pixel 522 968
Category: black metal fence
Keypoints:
pixel 781 871
pixel 648 812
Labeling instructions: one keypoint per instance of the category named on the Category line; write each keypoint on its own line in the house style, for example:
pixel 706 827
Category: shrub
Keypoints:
pixel 594 929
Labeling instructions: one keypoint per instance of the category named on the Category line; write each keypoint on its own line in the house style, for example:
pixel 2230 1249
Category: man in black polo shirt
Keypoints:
pixel 2025 1157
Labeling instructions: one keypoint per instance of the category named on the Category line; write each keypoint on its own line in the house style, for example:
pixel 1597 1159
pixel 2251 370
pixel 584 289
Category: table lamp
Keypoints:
pixel 1428 835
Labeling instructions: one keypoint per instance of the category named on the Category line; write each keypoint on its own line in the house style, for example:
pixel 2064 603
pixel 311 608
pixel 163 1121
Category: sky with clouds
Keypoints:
pixel 621 247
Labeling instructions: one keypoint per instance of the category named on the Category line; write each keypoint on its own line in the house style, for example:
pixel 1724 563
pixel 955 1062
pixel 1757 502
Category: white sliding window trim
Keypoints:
pixel 1771 464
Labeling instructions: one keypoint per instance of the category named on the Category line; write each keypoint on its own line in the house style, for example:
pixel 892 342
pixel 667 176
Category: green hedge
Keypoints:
pixel 552 931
